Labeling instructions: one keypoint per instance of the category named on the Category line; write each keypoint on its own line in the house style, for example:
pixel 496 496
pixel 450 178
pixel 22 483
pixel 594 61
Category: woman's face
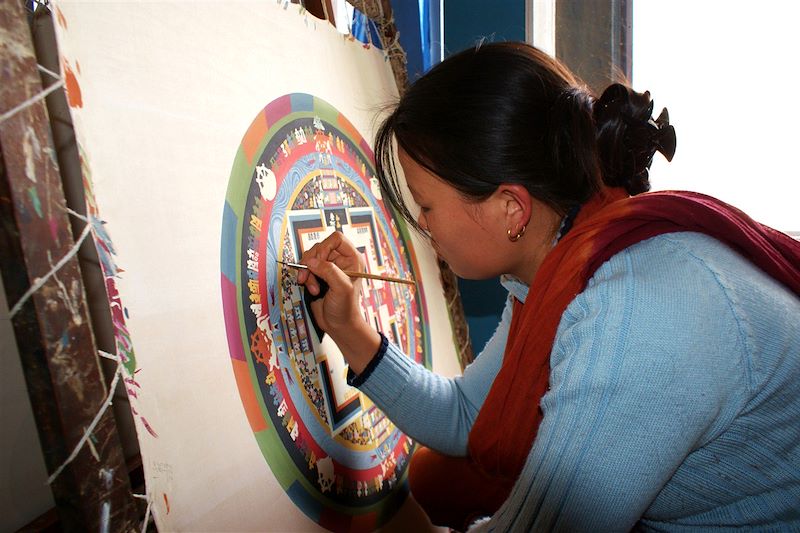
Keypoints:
pixel 463 233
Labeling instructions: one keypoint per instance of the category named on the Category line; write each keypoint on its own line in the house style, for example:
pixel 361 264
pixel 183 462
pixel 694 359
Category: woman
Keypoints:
pixel 650 377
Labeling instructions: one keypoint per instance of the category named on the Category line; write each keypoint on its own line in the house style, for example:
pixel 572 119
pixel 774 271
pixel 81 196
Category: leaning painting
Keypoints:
pixel 216 140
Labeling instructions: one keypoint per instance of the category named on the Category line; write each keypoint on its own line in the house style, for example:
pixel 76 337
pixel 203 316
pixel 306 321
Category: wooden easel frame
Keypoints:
pixel 52 328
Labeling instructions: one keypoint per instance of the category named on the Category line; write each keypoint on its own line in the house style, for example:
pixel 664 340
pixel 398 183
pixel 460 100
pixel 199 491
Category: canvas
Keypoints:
pixel 215 139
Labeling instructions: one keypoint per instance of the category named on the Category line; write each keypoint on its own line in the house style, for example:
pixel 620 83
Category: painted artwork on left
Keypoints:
pixel 302 172
pixel 243 128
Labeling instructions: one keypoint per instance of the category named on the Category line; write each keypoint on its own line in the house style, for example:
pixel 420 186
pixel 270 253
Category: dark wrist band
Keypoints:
pixel 357 380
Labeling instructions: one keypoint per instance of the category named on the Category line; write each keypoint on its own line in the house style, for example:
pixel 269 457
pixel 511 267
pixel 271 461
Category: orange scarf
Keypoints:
pixel 503 433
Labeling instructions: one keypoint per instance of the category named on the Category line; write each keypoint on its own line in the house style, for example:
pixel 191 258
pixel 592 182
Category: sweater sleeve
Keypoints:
pixel 648 365
pixel 436 411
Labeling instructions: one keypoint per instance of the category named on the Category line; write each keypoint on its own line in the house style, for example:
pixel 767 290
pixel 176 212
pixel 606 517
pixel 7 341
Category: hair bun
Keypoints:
pixel 628 137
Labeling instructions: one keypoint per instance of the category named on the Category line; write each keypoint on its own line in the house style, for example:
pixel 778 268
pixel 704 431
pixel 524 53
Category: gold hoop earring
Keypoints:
pixel 518 236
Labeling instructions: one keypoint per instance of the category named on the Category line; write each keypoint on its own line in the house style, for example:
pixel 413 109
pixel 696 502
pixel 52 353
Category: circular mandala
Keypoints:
pixel 302 172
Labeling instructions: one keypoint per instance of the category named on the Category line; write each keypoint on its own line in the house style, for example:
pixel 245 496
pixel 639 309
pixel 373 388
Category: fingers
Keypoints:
pixel 336 248
pixel 336 279
pixel 338 311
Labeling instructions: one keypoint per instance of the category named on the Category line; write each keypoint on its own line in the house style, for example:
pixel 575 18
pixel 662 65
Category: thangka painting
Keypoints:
pixel 214 141
pixel 302 172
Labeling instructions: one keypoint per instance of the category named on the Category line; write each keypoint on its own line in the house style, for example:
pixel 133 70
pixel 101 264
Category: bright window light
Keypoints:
pixel 727 71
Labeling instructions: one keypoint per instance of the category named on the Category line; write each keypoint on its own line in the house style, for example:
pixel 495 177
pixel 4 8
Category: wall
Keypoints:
pixel 24 493
pixel 467 22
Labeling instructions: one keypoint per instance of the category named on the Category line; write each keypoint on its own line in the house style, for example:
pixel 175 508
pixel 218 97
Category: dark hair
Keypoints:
pixel 509 113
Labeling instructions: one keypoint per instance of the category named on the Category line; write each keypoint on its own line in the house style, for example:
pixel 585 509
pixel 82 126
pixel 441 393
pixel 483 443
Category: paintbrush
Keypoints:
pixel 356 274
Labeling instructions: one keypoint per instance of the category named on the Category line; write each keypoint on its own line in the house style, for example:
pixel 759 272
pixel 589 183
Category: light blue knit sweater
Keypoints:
pixel 674 399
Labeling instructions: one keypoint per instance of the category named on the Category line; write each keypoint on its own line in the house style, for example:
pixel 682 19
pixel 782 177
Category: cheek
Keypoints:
pixel 446 231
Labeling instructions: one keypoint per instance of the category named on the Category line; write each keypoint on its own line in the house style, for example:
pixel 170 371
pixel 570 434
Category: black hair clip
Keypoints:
pixel 664 138
pixel 636 110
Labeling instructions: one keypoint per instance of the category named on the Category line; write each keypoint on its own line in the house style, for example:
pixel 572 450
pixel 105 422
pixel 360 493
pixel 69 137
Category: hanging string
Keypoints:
pixel 107 355
pixel 147 515
pixel 78 216
pixel 35 98
pixel 38 282
pixel 95 421
pixel 147 511
pixel 54 75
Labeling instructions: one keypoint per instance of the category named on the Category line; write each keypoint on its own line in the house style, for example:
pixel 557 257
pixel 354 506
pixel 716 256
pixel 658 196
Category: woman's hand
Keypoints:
pixel 326 260
pixel 339 313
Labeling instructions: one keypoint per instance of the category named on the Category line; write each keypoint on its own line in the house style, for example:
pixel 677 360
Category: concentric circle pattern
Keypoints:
pixel 302 172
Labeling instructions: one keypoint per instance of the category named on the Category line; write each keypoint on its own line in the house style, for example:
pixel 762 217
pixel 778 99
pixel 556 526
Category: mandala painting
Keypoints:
pixel 302 172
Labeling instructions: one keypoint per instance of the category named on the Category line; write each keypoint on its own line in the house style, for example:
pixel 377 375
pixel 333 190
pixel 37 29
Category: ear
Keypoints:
pixel 516 204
